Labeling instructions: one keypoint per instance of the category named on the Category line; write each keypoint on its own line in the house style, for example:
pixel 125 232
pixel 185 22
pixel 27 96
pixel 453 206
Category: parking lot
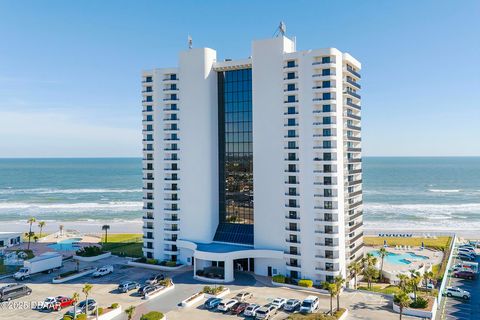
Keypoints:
pixel 104 290
pixel 459 309
pixel 361 305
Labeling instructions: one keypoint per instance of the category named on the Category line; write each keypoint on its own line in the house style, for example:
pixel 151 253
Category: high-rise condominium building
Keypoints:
pixel 254 164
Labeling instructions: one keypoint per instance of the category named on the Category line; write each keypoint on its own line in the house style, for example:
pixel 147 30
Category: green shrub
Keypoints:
pixel 114 305
pixel 307 283
pixel 100 311
pixel 153 315
pixel 171 264
pixel 90 251
pixel 420 303
pixel 213 290
pixel 337 314
pixel 82 316
pixel 67 317
pixel 167 282
pixel 152 261
pixel 279 278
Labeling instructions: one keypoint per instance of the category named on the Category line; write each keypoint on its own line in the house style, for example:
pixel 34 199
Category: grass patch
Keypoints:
pixel 386 290
pixel 124 244
pixel 440 243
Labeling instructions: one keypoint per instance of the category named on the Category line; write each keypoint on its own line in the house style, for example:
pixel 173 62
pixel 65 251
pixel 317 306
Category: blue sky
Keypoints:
pixel 70 70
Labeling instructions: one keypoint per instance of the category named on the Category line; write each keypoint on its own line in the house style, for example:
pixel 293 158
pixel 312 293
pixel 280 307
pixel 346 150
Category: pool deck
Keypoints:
pixel 434 257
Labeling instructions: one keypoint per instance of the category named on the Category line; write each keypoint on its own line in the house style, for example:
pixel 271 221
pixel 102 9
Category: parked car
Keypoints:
pixel 457 292
pixel 126 286
pixel 103 271
pixel 464 274
pixel 466 256
pixel 226 305
pixel 82 308
pixel 279 303
pixel 466 250
pixel 14 291
pixel 212 303
pixel 62 302
pixel 151 289
pixel 291 305
pixel 238 308
pixel 155 279
pixel 309 304
pixel 242 296
pixel 467 246
pixel 142 289
pixel 266 312
pixel 250 310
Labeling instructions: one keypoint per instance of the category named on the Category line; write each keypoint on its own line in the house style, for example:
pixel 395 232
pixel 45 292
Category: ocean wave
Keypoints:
pixel 445 190
pixel 65 191
pixel 71 207
pixel 423 211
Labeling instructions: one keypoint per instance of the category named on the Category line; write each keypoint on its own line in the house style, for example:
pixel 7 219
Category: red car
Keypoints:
pixel 464 275
pixel 62 302
pixel 238 308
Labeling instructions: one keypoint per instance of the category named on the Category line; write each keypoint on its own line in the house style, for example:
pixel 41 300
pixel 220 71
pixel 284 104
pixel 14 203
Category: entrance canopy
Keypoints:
pixel 226 252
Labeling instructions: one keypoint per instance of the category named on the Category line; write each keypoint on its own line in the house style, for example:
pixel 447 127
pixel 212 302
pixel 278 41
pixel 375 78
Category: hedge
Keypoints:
pixel 279 278
pixel 153 315
pixel 114 305
pixel 307 283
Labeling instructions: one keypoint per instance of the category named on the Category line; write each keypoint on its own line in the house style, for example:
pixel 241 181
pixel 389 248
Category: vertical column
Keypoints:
pixel 229 270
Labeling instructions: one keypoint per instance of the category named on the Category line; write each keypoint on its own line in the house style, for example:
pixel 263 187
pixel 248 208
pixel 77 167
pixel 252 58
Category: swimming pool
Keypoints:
pixel 66 245
pixel 401 259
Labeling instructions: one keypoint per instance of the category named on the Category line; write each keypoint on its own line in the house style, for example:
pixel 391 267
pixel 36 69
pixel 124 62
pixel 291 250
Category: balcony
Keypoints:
pixel 354 239
pixel 352 116
pixel 354 205
pixel 353 105
pixel 291 253
pixel 352 127
pixel 292 229
pixel 171 230
pixel 353 72
pixel 148 227
pixel 355 216
pixel 355 227
pixel 354 149
pixel 148 178
pixel 354 160
pixel 353 138
pixel 353 83
pixel 353 94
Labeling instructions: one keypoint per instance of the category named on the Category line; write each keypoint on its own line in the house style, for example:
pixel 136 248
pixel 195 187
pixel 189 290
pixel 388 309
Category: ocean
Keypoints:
pixel 399 192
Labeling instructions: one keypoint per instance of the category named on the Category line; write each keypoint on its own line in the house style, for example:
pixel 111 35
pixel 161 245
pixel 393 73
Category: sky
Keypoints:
pixel 70 70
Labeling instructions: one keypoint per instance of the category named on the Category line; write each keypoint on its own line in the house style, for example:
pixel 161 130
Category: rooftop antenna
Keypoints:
pixel 190 42
pixel 281 29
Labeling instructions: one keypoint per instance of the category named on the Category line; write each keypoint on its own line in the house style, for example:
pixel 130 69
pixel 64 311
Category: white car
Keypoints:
pixel 465 250
pixel 226 305
pixel 467 246
pixel 457 292
pixel 278 303
pixel 250 310
pixel 103 271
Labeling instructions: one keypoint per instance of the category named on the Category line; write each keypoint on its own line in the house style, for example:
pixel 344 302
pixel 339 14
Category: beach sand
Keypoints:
pixel 135 226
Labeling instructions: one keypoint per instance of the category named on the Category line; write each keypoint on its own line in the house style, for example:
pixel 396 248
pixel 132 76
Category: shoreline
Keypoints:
pixel 135 226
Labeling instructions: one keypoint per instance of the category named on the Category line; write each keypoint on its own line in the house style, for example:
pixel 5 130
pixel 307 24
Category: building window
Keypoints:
pixel 291 98
pixel 326 96
pixel 292 133
pixel 291 122
pixel 291 75
pixel 291 110
pixel 291 63
pixel 326 84
pixel 326 60
pixel 235 157
pixel 291 87
pixel 325 72
pixel 327 132
pixel 327 120
pixel 326 108
pixel 149 99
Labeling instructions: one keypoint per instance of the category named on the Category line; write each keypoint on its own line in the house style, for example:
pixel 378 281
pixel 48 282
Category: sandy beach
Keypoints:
pixel 135 226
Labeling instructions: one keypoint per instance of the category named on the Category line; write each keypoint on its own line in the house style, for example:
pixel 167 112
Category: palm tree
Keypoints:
pixel 75 298
pixel 402 281
pixel 130 311
pixel 427 276
pixel 415 279
pixel 382 253
pixel 60 227
pixel 41 225
pixel 332 289
pixel 86 290
pixel 370 273
pixel 355 268
pixel 403 301
pixel 105 228
pixel 339 281
pixel 30 233
pixel 369 260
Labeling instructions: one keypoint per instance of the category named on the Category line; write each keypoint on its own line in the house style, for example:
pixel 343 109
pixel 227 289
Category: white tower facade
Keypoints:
pixel 256 163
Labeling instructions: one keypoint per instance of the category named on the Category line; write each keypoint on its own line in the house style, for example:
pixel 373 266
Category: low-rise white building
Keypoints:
pixel 255 164
pixel 8 239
